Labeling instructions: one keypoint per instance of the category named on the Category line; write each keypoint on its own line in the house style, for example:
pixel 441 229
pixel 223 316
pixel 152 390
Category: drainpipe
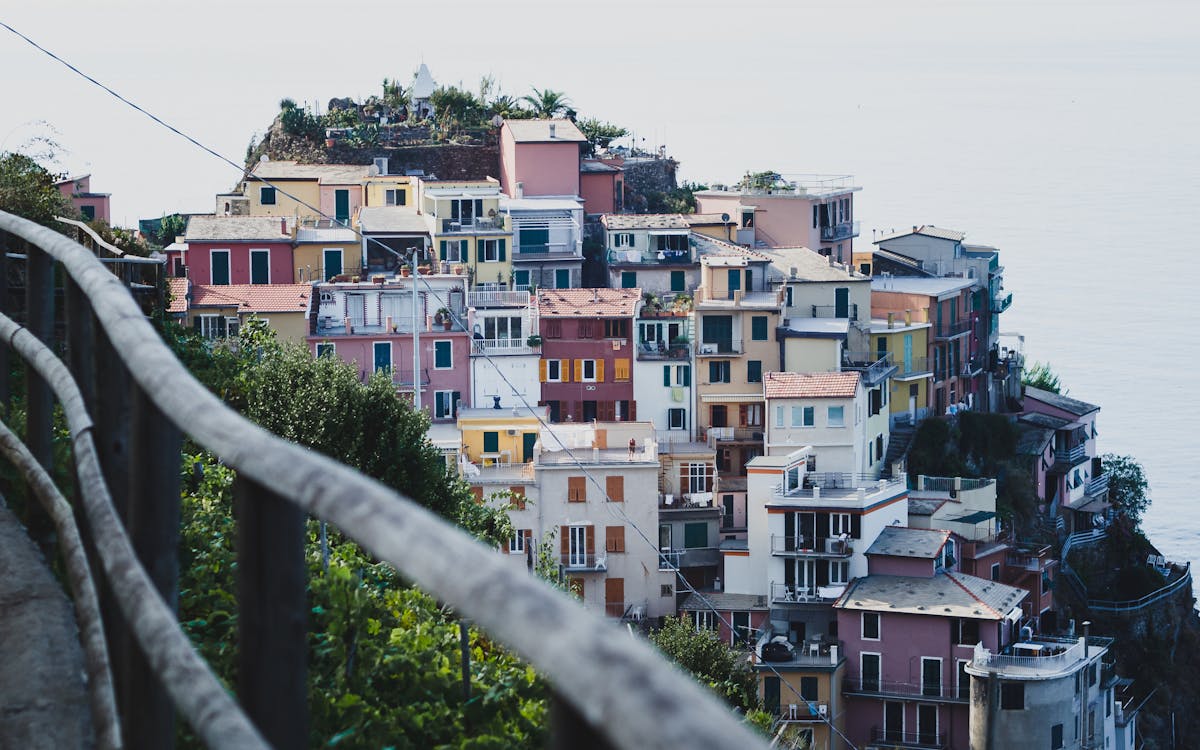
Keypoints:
pixel 993 700
pixel 415 337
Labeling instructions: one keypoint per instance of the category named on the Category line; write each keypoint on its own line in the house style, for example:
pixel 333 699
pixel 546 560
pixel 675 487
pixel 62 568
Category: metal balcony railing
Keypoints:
pixel 1097 485
pixel 805 546
pixel 1072 455
pixel 498 298
pixel 1001 302
pixel 938 691
pixel 584 562
pixel 503 346
pixel 800 593
pixel 848 311
pixel 949 330
pixel 719 348
pixel 472 226
pixel 890 738
pixel 841 231
pixel 127 443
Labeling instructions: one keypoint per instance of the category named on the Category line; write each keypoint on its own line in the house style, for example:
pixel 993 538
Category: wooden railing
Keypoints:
pixel 128 403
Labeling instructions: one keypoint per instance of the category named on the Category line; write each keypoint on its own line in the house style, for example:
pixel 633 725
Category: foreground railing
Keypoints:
pixel 605 684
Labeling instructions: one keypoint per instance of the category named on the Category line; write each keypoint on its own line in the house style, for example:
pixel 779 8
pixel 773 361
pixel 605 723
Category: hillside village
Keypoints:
pixel 708 414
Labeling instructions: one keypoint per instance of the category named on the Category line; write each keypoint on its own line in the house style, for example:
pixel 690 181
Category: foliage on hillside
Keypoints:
pixel 723 669
pixel 1040 375
pixel 27 189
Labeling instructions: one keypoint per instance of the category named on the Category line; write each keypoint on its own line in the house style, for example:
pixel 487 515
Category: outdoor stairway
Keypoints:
pixel 900 442
pixel 43 698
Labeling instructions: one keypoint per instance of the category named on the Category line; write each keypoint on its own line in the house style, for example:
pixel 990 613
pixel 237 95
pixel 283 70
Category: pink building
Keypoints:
pixel 602 187
pixel 910 627
pixel 587 353
pixel 371 325
pixel 540 157
pixel 1060 441
pixel 91 205
pixel 237 250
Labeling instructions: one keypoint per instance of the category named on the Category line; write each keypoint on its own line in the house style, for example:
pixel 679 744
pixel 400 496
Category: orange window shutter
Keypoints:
pixel 576 489
pixel 683 479
pixel 541 370
pixel 564 541
pixel 615 488
pixel 528 534
pixel 591 540
pixel 601 438
pixel 599 371
pixel 614 539
pixel 578 370
pixel 564 370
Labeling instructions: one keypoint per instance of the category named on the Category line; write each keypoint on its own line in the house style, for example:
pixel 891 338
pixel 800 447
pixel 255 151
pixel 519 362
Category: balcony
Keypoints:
pixel 782 593
pixel 1001 302
pixel 805 546
pixel 689 501
pixel 578 562
pixel 720 348
pixel 847 311
pixel 734 435
pixel 1070 456
pixel 650 257
pixel 472 226
pixel 875 368
pixel 498 298
pixel 495 471
pixel 502 346
pixel 947 331
pixel 845 230
pixel 547 251
pixel 1097 485
pixel 649 351
pixel 626 611
pixel 691 557
pixel 932 693
pixel 885 739
pixel 913 367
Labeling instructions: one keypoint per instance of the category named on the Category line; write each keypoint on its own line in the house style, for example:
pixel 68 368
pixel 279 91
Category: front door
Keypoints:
pixel 927 724
pixel 841 302
pixel 893 721
pixel 528 440
pixel 614 596
pixel 341 206
pixel 333 262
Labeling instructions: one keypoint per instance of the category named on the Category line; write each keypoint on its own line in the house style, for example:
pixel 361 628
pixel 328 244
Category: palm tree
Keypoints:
pixel 394 95
pixel 548 103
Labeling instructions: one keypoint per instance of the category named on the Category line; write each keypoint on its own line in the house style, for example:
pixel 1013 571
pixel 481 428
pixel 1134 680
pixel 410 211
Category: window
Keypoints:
pixel 614 488
pixel 758 328
pixel 266 196
pixel 491 251
pixel 520 541
pixel 517 497
pixel 870 672
pixel 614 538
pixel 89 212
pixel 562 278
pixel 695 535
pixel 741 628
pixel 747 218
pixel 803 416
pixel 1045 582
pixel 395 197
pixel 616 329
pixel 576 489
pixel 870 626
pixel 751 415
pixel 1012 696
pixel 554 369
pixel 666 589
pixel 678 282
pixel 966 632
pixel 698 478
pixel 1056 737
pixel 705 619
pixel 215 326
pixel 718 371
pixel 552 329
pixel 835 416
pixel 466 209
pixel 382 351
pixel 778 416
pixel 754 371
pixel 931 676
pixel 808 689
pixel 995 571
pixel 219 266
pixel 491 442
pixel 623 239
pixel 629 279
pixel 791 479
pixel 676 419
pixel 445 404
pixel 504 329
pixel 839 572
pixel 260 266
pixel 588 369
pixel 326 349
pixel 454 251
pixel 579 540
pixel 443 355
pixel 718 415
pixel 583 329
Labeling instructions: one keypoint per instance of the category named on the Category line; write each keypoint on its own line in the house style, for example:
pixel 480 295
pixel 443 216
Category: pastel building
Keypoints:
pixel 689 520
pixel 372 325
pixel 540 158
pixel 803 689
pixel 391 237
pixel 602 186
pixel 383 189
pixel 217 312
pixel 911 628
pixel 505 347
pixel 288 188
pixel 651 252
pixel 813 211
pixel 92 206
pixel 238 250
pixel 903 343
pixel 323 251
pixel 1075 481
pixel 547 237
pixel 468 229
pixel 664 370
pixel 587 353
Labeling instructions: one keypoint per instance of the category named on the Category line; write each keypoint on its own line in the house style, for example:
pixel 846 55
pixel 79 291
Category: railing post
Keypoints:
pixel 272 615
pixel 153 523
pixel 570 731
pixel 7 242
pixel 39 401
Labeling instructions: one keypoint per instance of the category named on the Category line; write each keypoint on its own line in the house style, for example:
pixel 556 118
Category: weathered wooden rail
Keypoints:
pixel 128 403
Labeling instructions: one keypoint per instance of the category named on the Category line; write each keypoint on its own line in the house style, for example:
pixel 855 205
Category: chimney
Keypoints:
pixel 519 190
pixel 388 325
pixel 891 320
pixel 816 493
pixel 908 317
pixel 914 228
pixel 346 322
pixel 595 296
pixel 552 128
pixel 282 225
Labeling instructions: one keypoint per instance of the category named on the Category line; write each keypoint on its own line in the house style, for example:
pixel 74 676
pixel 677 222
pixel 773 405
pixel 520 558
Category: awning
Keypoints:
pixel 731 398
pixel 978 516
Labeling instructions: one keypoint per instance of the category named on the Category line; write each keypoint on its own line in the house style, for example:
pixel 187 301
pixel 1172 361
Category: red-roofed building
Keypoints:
pixel 223 250
pixel 587 353
pixel 221 311
pixel 91 205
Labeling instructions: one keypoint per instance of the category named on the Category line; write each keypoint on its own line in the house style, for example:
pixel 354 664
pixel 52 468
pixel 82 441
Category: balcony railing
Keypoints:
pixel 892 738
pixel 497 298
pixel 687 501
pixel 472 226
pixel 805 546
pixel 848 311
pixel 1071 455
pixel 949 330
pixel 934 692
pixel 547 251
pixel 839 231
pixel 650 257
pixel 587 662
pixel 873 371
pixel 912 367
pixel 690 557
pixel 723 347
pixel 656 350
pixel 1097 486
pixel 502 346
pixel 798 593
pixel 950 484
pixel 1001 302
pixel 580 562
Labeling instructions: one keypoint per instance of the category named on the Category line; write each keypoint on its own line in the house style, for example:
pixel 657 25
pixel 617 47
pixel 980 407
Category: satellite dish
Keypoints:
pixel 497 121
pixel 372 171
pixel 264 158
pixel 724 217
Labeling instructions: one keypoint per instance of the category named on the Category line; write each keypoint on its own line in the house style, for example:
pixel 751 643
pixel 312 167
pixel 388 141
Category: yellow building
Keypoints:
pixel 389 190
pixel 305 190
pixel 805 692
pixel 468 229
pixel 907 343
pixel 218 312
pixel 322 252
pixel 497 437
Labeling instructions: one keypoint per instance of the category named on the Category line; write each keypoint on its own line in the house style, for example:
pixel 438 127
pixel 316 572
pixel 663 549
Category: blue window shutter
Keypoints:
pixel 687 375
pixel 442 251
pixel 503 250
pixel 667 375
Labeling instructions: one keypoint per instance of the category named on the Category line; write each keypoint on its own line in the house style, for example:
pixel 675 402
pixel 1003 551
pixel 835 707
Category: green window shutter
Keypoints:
pixel 629 279
pixel 503 250
pixel 714 372
pixel 754 371
pixel 479 253
pixel 695 535
pixel 667 375
pixel 442 355
pixel 771 684
pixel 677 281
pixel 491 442
pixel 758 328
pixel 687 375
pixel 196 323
pixel 442 251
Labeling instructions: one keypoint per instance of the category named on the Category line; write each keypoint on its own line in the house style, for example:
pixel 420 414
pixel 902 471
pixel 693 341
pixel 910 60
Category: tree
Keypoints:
pixel 1039 375
pixel 725 670
pixel 760 180
pixel 508 108
pixel 455 108
pixel 547 102
pixel 600 134
pixel 28 190
pixel 394 96
pixel 170 227
pixel 1127 486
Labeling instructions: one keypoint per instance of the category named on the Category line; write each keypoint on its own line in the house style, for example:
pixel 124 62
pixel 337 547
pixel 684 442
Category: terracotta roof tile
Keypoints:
pixel 599 303
pixel 253 298
pixel 644 221
pixel 178 289
pixel 810 384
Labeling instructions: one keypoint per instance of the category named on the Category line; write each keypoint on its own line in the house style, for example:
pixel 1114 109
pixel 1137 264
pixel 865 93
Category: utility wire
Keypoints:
pixel 611 506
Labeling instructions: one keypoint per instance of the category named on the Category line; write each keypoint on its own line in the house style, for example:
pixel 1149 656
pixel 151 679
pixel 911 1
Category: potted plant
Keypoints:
pixel 443 316
pixel 534 340
pixel 405 271
pixel 458 269
pixel 423 270
pixel 682 302
pixel 679 346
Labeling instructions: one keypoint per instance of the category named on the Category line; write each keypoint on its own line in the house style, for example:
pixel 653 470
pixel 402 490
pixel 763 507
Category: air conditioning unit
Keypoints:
pixel 823 709
pixel 511 433
pixel 708 348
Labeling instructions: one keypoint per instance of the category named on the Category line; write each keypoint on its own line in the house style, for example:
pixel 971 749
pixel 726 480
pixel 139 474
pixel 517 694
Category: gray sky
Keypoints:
pixel 728 87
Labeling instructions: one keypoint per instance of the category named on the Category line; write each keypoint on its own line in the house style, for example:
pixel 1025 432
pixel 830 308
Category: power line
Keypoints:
pixel 609 505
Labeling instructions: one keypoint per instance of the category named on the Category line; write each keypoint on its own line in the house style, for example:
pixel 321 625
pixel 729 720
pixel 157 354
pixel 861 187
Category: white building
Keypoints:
pixel 664 385
pixel 505 348
pixel 547 241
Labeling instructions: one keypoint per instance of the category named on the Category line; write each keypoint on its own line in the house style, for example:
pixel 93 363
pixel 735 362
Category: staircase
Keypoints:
pixel 901 441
